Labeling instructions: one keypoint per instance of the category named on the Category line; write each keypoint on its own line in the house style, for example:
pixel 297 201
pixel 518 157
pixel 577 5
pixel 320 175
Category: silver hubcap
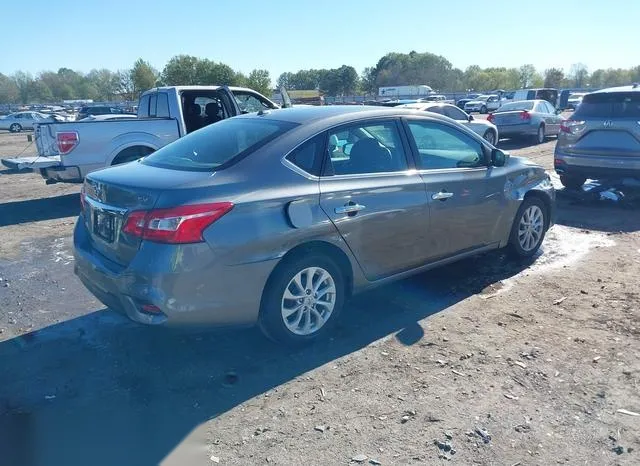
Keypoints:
pixel 308 301
pixel 530 228
pixel 489 137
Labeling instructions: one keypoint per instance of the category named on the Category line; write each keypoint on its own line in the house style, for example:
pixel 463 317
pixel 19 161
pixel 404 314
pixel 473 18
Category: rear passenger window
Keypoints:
pixel 162 110
pixel 143 107
pixel 307 156
pixel 153 99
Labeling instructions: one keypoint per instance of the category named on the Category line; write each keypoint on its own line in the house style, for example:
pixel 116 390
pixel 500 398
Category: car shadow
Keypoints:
pixel 99 389
pixel 515 143
pixel 34 210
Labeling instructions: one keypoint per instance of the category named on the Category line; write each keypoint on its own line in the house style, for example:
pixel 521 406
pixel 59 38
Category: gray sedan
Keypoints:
pixel 276 218
pixel 484 128
pixel 16 122
pixel 534 118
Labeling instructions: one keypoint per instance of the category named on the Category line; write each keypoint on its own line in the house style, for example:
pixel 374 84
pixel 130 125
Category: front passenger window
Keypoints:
pixel 443 147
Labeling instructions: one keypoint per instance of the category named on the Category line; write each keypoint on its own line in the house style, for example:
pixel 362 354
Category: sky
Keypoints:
pixel 289 35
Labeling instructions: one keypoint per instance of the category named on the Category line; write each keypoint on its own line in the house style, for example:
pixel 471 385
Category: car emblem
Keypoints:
pixel 607 123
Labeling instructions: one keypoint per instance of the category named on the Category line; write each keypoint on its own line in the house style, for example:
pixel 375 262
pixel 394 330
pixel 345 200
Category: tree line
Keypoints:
pixel 393 69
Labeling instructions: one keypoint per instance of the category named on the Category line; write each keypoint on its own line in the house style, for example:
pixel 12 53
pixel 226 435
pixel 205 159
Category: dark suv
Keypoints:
pixel 98 110
pixel 602 138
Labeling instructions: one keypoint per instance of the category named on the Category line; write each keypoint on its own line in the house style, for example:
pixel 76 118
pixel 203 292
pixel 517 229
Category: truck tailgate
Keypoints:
pixel 31 163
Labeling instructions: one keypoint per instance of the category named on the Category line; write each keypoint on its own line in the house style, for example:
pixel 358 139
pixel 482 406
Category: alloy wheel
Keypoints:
pixel 530 228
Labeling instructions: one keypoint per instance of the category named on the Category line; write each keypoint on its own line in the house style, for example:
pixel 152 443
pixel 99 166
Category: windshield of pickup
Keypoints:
pixel 218 146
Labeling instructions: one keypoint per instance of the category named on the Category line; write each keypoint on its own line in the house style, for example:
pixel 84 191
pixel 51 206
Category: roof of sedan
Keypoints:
pixel 303 115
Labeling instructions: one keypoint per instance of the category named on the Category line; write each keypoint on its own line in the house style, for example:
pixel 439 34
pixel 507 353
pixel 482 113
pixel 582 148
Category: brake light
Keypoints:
pixel 177 225
pixel 67 141
pixel 524 115
pixel 571 126
pixel 490 118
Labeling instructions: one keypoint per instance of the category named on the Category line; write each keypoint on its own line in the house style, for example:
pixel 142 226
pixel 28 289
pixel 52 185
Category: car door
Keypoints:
pixel 374 197
pixel 556 118
pixel 229 102
pixel 464 205
pixel 543 109
pixel 250 102
pixel 27 120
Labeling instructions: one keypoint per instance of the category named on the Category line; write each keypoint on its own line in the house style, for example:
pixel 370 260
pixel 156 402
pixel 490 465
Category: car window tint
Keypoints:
pixel 455 113
pixel 217 146
pixel 442 146
pixel 152 104
pixel 366 148
pixel 435 109
pixel 307 156
pixel 609 105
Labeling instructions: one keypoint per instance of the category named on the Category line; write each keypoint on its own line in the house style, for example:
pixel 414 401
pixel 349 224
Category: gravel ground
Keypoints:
pixel 481 362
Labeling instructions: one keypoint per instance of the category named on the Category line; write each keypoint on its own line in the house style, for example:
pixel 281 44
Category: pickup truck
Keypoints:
pixel 68 151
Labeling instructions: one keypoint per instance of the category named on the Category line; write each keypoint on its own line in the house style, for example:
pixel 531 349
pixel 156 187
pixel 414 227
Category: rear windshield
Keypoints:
pixel 218 146
pixel 609 105
pixel 515 106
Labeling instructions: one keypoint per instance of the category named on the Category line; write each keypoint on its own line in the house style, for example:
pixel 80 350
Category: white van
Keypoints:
pixel 547 93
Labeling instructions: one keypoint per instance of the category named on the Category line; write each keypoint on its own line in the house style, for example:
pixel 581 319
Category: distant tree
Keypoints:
pixel 105 82
pixel 23 82
pixel 260 81
pixel 9 93
pixel 553 77
pixel 579 74
pixel 126 89
pixel 527 73
pixel 368 81
pixel 143 77
pixel 180 70
pixel 284 80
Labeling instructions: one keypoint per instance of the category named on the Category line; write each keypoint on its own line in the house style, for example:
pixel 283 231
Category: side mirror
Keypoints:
pixel 499 158
pixel 558 111
pixel 470 118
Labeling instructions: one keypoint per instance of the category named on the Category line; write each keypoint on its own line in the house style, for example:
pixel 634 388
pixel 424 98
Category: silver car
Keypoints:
pixel 602 138
pixel 276 218
pixel 484 128
pixel 16 122
pixel 483 104
pixel 530 118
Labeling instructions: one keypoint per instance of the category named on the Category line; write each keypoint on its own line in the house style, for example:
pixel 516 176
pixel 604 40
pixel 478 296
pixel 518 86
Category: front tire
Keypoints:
pixel 302 299
pixel 529 228
pixel 15 128
pixel 572 182
pixel 490 137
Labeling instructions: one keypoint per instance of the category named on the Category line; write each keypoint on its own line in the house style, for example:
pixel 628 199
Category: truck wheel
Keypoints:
pixel 15 128
pixel 130 154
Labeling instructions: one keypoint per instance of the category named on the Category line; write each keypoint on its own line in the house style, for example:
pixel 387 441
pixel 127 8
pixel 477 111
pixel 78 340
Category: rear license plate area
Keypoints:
pixel 104 226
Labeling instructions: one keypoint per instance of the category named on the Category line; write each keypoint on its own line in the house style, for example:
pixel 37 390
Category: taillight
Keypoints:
pixel 524 115
pixel 67 141
pixel 571 126
pixel 490 118
pixel 177 225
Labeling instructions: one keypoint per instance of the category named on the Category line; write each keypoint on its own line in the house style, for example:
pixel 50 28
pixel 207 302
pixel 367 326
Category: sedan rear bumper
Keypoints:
pixel 517 130
pixel 155 288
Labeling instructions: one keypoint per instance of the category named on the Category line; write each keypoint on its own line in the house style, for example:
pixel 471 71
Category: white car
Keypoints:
pixel 482 127
pixel 483 104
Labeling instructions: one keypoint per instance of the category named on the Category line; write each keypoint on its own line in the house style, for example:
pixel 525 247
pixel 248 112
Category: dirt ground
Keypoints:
pixel 482 362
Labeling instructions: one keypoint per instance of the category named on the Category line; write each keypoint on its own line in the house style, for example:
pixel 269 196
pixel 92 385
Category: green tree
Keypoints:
pixel 9 93
pixel 526 76
pixel 180 70
pixel 285 79
pixel 143 76
pixel 23 82
pixel 579 75
pixel 105 82
pixel 260 81
pixel 368 81
pixel 553 77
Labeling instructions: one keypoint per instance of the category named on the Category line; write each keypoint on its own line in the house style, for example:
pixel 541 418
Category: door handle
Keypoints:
pixel 350 208
pixel 441 196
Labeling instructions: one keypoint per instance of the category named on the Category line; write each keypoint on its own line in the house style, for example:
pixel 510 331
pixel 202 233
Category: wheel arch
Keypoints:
pixel 125 151
pixel 544 198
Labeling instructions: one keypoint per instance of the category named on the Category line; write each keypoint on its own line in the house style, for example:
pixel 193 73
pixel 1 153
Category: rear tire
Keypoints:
pixel 15 128
pixel 130 154
pixel 483 109
pixel 572 182
pixel 302 299
pixel 540 135
pixel 529 228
